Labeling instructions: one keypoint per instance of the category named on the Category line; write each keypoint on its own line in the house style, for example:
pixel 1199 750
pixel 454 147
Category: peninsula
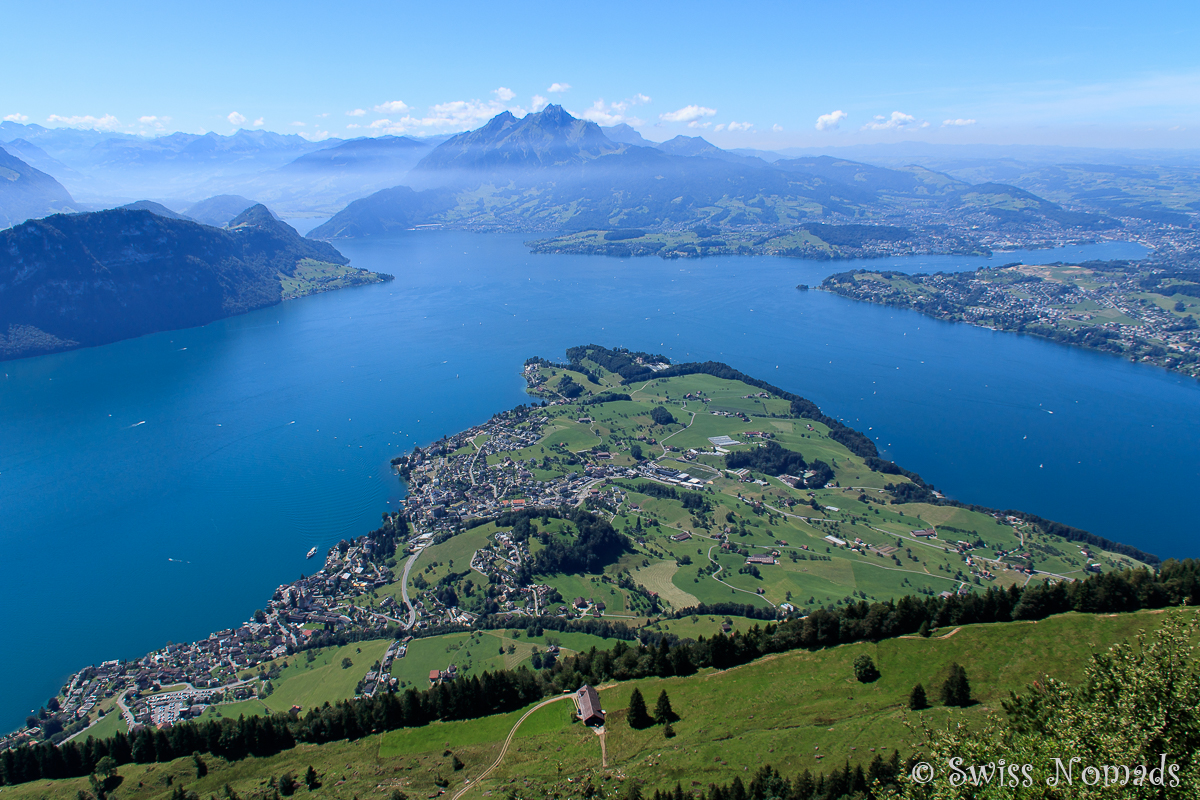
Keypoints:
pixel 640 526
pixel 1145 312
pixel 631 488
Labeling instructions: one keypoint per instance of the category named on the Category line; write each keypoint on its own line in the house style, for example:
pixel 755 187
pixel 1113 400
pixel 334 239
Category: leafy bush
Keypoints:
pixel 865 670
pixel 661 416
pixel 772 459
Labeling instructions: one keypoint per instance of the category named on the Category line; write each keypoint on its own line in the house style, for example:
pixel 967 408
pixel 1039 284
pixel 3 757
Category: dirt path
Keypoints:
pixel 472 784
pixel 681 430
pixel 943 636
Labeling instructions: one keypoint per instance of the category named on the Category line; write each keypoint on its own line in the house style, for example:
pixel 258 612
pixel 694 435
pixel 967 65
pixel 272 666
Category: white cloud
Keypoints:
pixel 958 122
pixel 539 103
pixel 831 121
pixel 352 126
pixel 504 95
pixel 456 115
pixel 326 114
pixel 739 126
pixel 777 127
pixel 603 114
pixel 299 124
pixel 358 112
pixel 896 121
pixel 155 122
pixel 16 118
pixel 559 87
pixel 687 114
pixel 106 123
pixel 235 118
pixel 391 107
pixel 614 113
pixel 258 123
pixel 315 136
pixel 698 124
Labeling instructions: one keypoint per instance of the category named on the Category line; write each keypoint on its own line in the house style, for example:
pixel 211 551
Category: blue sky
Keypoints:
pixel 765 74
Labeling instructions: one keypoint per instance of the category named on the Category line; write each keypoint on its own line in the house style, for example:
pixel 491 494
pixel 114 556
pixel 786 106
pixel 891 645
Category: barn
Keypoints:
pixel 587 701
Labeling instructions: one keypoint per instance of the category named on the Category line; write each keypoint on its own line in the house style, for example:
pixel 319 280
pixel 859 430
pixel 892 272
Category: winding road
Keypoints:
pixel 471 784
pixel 412 611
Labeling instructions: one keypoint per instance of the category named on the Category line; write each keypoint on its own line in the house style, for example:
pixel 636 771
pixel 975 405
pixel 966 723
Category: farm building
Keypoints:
pixel 587 701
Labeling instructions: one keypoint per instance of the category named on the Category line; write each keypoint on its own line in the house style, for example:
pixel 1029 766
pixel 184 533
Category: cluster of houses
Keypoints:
pixel 207 671
pixel 460 484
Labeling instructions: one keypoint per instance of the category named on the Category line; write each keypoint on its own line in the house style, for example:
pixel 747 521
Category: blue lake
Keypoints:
pixel 161 488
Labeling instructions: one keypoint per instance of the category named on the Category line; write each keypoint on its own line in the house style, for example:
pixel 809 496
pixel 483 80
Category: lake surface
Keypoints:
pixel 160 488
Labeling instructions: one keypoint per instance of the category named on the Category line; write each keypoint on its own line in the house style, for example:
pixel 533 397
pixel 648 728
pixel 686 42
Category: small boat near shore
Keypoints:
pixel 311 553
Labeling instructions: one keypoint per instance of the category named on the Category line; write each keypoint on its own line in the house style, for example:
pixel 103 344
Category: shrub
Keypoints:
pixel 865 670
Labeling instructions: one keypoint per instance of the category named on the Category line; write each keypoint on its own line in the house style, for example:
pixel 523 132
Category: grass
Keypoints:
pixel 112 723
pixel 479 651
pixel 311 684
pixel 658 578
pixel 794 710
pixel 312 277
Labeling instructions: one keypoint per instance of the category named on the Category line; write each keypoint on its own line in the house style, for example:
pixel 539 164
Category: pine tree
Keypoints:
pixel 663 713
pixel 916 698
pixel 310 778
pixel 956 691
pixel 638 716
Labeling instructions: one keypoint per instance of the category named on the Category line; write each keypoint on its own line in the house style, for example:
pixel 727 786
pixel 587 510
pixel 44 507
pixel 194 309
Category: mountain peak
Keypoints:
pixel 156 208
pixel 256 216
pixel 556 113
pixel 547 138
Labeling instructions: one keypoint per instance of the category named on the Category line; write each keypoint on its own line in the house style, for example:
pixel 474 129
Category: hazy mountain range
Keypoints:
pixel 296 176
pixel 27 192
pixel 551 171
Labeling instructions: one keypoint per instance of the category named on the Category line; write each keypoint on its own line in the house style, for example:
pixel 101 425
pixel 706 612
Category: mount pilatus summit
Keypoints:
pixel 76 280
pixel 26 192
pixel 551 138
pixel 550 171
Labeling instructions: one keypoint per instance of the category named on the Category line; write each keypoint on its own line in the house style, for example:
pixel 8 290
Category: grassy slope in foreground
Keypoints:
pixel 783 710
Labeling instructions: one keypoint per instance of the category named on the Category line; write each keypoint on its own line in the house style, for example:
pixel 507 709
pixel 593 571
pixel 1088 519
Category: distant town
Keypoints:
pixel 1144 313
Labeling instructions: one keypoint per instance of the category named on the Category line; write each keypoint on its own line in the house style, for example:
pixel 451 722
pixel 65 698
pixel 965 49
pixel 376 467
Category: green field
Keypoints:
pixel 794 710
pixel 480 651
pixel 113 722
pixel 311 684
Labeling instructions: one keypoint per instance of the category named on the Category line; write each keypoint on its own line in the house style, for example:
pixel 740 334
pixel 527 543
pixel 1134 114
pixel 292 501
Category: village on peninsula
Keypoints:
pixel 780 504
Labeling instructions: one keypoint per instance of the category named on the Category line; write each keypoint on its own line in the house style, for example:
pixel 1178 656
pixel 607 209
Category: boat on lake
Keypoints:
pixel 311 553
